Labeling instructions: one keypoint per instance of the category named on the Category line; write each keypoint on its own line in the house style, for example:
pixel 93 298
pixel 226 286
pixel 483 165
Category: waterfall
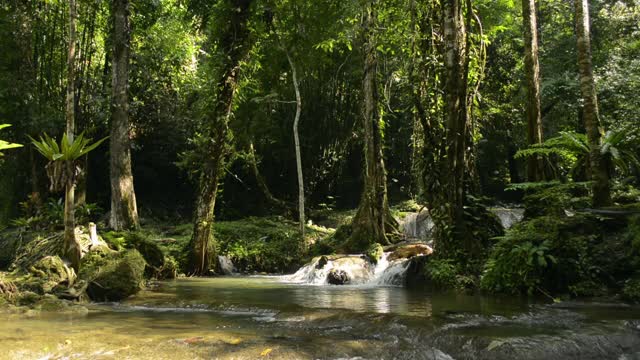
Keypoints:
pixel 420 226
pixel 356 269
pixel 226 265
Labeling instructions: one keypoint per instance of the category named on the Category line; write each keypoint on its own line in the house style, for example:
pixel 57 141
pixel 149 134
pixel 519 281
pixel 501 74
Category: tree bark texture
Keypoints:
pixel 600 187
pixel 455 119
pixel 124 211
pixel 234 45
pixel 535 165
pixel 373 220
pixel 296 139
pixel 71 245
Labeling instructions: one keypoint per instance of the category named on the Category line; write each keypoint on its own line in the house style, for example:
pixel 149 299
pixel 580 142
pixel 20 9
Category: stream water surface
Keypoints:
pixel 268 317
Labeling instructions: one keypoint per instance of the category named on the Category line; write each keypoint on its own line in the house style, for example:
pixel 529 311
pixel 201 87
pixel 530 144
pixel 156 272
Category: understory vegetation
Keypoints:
pixel 158 139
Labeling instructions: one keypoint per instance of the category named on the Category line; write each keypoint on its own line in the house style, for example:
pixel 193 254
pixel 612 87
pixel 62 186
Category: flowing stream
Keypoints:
pixel 274 317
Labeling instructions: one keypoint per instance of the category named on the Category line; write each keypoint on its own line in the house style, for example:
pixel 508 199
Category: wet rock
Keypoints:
pixel 322 262
pixel 415 276
pixel 50 303
pixel 338 277
pixel 375 252
pixel 47 275
pixel 409 251
pixel 114 276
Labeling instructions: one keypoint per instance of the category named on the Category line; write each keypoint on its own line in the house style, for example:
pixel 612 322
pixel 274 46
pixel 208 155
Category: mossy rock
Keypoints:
pixel 114 276
pixel 50 303
pixel 48 275
pixel 375 252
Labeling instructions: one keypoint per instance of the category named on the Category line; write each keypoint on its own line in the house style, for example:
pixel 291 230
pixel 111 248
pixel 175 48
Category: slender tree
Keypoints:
pixel 296 138
pixel 124 211
pixel 71 246
pixel 598 166
pixel 232 46
pixel 373 220
pixel 535 165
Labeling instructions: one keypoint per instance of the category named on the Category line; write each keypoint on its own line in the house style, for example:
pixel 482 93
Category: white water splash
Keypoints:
pixel 359 271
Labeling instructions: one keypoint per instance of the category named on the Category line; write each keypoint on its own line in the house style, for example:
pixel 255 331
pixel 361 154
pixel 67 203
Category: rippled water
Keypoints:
pixel 263 317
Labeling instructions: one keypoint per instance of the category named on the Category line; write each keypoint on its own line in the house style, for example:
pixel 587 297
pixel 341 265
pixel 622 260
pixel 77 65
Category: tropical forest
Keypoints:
pixel 320 179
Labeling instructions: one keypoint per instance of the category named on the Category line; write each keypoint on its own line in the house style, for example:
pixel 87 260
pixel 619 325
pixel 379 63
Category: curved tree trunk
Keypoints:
pixel 535 165
pixel 71 245
pixel 233 47
pixel 296 139
pixel 124 211
pixel 600 187
pixel 373 220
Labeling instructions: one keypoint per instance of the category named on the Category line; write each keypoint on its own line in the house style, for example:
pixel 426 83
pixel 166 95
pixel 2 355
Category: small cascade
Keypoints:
pixel 420 226
pixel 417 225
pixel 390 272
pixel 508 217
pixel 226 265
pixel 353 270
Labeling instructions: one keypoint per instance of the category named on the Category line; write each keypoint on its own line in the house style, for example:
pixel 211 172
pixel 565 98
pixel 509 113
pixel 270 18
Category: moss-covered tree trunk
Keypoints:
pixel 124 211
pixel 456 122
pixel 232 47
pixel 71 246
pixel 600 187
pixel 373 220
pixel 535 165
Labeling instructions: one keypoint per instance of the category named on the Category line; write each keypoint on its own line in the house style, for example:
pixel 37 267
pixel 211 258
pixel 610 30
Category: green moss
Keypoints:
pixel 270 245
pixel 114 276
pixel 375 252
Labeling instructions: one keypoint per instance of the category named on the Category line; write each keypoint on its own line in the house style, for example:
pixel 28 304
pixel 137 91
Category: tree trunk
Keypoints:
pixel 233 47
pixel 599 172
pixel 124 211
pixel 296 139
pixel 71 245
pixel 535 165
pixel 455 119
pixel 373 220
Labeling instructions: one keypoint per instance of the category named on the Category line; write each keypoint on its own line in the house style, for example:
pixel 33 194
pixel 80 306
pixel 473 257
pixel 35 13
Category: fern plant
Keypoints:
pixel 620 147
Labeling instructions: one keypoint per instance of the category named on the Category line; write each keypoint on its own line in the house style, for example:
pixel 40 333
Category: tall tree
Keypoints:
pixel 600 187
pixel 535 166
pixel 296 138
pixel 455 121
pixel 124 211
pixel 231 45
pixel 71 246
pixel 373 220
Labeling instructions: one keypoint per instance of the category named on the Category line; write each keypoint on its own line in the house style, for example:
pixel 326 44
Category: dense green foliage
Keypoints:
pixel 211 123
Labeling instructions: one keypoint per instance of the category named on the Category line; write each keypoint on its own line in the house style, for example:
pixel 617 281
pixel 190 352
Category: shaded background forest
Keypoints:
pixel 167 98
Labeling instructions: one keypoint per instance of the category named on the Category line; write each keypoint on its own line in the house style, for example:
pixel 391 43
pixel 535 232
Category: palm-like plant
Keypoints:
pixel 4 145
pixel 60 155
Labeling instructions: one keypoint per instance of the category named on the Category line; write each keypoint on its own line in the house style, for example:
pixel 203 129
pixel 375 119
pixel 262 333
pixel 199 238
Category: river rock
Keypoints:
pixel 409 251
pixel 113 276
pixel 47 274
pixel 338 277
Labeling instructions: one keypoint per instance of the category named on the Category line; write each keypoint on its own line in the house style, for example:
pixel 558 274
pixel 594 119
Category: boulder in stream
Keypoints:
pixel 113 276
pixel 338 277
pixel 409 251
